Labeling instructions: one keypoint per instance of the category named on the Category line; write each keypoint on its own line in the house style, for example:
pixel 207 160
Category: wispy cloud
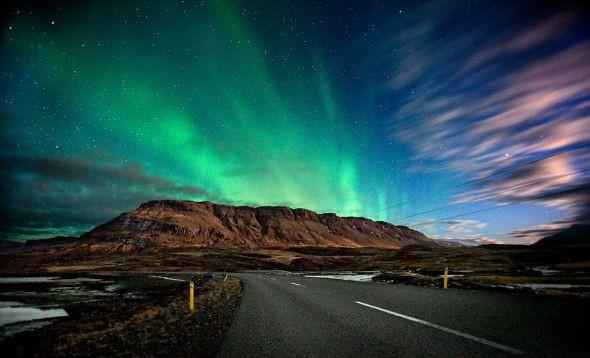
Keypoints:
pixel 45 196
pixel 462 231
pixel 533 234
pixel 521 93
pixel 472 240
pixel 463 226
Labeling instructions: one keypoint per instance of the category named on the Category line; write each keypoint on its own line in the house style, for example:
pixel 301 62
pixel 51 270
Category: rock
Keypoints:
pixel 177 223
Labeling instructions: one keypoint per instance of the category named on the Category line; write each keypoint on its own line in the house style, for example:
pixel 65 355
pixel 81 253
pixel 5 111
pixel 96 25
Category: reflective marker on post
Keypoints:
pixel 446 279
pixel 191 300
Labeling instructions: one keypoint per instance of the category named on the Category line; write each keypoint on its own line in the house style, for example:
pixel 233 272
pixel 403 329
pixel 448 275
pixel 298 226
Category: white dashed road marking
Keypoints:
pixel 444 329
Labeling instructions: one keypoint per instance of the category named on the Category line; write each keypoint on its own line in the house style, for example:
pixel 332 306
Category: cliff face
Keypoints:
pixel 175 223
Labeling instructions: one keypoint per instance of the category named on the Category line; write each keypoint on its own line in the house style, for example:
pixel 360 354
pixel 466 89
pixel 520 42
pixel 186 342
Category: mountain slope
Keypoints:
pixel 175 223
pixel 575 235
pixel 13 247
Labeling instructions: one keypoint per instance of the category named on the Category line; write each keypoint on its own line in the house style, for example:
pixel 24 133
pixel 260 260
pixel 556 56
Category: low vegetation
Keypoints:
pixel 145 317
pixel 479 267
pixel 501 258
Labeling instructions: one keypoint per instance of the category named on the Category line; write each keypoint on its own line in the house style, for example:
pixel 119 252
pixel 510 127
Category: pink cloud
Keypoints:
pixel 525 112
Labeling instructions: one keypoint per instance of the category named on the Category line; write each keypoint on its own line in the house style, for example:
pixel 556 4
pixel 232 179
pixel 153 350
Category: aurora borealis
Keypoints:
pixel 358 108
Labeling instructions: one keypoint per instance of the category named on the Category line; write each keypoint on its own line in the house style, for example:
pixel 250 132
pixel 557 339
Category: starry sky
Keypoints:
pixel 467 120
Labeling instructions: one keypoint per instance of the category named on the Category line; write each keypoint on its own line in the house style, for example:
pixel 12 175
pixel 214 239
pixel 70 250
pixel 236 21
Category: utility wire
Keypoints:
pixel 482 210
pixel 515 167
pixel 502 171
pixel 520 186
pixel 472 212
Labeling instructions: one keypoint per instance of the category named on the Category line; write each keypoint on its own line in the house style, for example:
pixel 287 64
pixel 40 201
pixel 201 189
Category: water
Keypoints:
pixel 113 287
pixel 168 278
pixel 10 304
pixel 357 278
pixel 18 317
pixel 12 329
pixel 39 279
pixel 20 313
pixel 43 279
pixel 545 271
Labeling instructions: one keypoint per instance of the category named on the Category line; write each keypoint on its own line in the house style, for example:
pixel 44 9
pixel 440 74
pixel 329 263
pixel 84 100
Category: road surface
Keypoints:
pixel 293 316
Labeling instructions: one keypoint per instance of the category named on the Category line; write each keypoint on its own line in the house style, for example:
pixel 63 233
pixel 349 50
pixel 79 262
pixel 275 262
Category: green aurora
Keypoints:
pixel 395 111
pixel 195 98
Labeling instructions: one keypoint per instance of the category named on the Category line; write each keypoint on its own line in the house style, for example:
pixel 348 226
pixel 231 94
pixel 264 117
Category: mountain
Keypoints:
pixel 456 243
pixel 176 223
pixel 13 247
pixel 30 245
pixel 575 235
pixel 10 247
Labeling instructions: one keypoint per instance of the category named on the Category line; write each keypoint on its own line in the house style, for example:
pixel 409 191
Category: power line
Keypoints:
pixel 502 171
pixel 482 210
pixel 516 167
pixel 487 195
pixel 472 212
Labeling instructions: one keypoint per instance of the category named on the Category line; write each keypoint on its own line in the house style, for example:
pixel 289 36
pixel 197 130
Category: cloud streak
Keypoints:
pixel 521 93
pixel 45 196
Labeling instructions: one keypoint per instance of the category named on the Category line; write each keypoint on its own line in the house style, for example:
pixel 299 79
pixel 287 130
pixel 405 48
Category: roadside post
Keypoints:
pixel 446 278
pixel 191 299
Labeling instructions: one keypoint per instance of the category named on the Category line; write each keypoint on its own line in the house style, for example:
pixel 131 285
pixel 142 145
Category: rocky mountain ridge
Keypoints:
pixel 178 223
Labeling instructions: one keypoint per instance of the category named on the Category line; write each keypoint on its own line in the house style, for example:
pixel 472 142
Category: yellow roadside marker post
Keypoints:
pixel 446 279
pixel 191 299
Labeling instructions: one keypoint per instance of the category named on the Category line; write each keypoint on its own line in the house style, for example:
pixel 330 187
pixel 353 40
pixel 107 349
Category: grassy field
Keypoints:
pixel 479 267
pixel 502 258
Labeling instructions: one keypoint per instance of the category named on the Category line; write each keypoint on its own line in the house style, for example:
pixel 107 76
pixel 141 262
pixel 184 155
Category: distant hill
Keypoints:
pixel 451 243
pixel 176 223
pixel 10 247
pixel 575 235
pixel 13 247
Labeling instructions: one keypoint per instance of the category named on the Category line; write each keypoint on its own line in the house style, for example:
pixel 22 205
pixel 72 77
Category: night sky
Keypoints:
pixel 467 120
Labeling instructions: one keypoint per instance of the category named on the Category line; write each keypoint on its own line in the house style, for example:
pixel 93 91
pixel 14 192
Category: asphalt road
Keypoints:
pixel 292 316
